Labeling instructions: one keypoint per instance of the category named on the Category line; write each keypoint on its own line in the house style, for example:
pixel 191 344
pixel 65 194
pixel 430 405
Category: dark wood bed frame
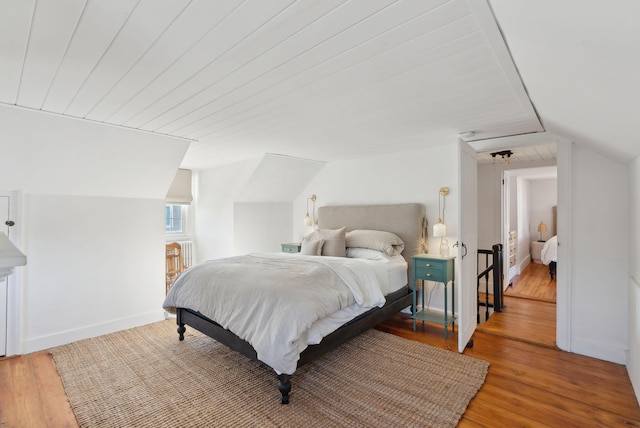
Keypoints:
pixel 408 221
pixel 396 302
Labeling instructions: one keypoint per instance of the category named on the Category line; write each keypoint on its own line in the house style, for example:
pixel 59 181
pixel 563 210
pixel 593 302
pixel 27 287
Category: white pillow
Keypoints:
pixel 367 253
pixel 379 240
pixel 312 247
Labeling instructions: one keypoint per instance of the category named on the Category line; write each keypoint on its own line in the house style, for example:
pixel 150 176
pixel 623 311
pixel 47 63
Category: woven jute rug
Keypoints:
pixel 145 377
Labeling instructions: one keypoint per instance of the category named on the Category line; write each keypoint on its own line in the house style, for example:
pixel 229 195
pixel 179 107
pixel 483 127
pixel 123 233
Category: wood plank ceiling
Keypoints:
pixel 324 80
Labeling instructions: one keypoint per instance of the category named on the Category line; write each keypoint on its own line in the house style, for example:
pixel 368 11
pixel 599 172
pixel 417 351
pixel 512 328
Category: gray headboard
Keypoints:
pixel 408 221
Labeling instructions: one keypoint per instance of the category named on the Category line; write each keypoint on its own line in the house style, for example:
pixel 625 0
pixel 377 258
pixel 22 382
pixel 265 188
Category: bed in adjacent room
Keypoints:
pixel 286 309
pixel 549 255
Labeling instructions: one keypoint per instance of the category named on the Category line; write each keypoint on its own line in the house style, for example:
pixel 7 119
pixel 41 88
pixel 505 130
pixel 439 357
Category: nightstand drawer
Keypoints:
pixel 291 248
pixel 430 264
pixel 435 273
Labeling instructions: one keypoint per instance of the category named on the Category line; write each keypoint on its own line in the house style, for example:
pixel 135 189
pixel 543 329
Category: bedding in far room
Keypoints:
pixel 550 251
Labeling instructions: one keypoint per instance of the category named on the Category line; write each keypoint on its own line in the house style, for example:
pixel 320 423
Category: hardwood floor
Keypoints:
pixel 534 283
pixel 31 393
pixel 529 312
pixel 530 382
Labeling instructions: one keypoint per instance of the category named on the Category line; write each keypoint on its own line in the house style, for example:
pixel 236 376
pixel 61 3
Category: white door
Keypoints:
pixel 4 289
pixel 467 262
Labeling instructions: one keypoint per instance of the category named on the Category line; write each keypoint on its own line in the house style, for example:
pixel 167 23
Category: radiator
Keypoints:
pixel 187 252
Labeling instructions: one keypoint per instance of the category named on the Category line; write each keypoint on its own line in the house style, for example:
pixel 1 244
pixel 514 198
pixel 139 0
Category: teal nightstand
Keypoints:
pixel 427 267
pixel 291 248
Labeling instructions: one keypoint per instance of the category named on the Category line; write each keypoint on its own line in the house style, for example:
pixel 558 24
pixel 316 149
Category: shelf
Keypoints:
pixel 434 317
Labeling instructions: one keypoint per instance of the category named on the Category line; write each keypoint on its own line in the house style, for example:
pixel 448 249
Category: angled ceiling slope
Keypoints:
pixel 317 80
pixel 579 60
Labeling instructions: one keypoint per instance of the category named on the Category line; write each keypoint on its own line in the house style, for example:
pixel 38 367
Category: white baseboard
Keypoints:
pixel 599 351
pixel 85 332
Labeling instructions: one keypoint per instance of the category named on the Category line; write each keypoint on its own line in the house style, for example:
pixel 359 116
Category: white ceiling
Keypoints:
pixel 323 80
pixel 580 63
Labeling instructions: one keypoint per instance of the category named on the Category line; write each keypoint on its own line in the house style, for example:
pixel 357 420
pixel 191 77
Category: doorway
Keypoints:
pixel 515 198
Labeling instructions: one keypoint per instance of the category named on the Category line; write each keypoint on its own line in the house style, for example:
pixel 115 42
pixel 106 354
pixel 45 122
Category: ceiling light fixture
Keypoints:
pixel 504 154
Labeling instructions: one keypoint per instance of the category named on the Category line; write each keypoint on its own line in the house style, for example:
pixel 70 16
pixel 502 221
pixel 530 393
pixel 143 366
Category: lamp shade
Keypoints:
pixel 542 227
pixel 439 230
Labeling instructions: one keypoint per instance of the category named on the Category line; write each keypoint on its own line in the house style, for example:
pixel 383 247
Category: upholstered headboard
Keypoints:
pixel 408 221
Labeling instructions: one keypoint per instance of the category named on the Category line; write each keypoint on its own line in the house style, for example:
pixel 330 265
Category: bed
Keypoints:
pixel 549 255
pixel 286 345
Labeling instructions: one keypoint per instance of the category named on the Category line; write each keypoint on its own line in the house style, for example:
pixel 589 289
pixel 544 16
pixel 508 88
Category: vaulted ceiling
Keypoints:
pixel 322 80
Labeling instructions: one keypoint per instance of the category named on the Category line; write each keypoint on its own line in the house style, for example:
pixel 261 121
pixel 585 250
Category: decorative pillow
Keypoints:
pixel 379 240
pixel 334 241
pixel 312 247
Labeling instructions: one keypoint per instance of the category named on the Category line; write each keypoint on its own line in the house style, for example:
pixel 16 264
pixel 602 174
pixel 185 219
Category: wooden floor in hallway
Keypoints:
pixel 529 311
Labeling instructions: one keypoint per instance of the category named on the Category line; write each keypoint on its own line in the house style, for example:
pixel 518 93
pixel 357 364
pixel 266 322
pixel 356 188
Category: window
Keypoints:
pixel 173 219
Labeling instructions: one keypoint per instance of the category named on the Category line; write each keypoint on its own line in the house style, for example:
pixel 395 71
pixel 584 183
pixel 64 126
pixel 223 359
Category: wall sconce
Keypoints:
pixel 541 228
pixel 310 220
pixel 505 155
pixel 440 229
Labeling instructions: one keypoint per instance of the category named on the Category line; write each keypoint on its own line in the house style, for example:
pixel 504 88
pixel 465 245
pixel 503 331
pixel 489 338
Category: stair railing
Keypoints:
pixel 495 271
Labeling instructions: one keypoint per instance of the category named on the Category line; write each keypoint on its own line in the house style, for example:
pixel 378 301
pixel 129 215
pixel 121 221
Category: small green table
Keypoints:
pixel 291 247
pixel 428 267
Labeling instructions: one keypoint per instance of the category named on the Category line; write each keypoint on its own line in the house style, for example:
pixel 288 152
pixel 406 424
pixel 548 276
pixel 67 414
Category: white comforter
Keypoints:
pixel 550 251
pixel 272 300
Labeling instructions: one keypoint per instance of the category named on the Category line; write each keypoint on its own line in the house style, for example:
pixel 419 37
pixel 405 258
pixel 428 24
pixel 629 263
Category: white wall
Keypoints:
pixel 599 239
pixel 264 226
pixel 543 196
pixel 633 355
pixel 91 223
pixel 57 155
pixel 95 265
pixel 522 236
pixel 236 202
pixel 216 194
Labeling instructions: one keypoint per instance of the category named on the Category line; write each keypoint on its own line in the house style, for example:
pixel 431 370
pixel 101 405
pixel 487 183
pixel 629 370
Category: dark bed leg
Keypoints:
pixel 552 269
pixel 284 387
pixel 181 327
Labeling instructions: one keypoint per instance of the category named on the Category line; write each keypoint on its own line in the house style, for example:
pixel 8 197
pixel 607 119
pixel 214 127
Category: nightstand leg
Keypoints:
pixel 453 306
pixel 413 307
pixel 422 293
pixel 446 310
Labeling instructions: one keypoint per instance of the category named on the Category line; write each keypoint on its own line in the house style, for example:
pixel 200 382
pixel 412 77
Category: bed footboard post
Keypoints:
pixel 181 328
pixel 284 387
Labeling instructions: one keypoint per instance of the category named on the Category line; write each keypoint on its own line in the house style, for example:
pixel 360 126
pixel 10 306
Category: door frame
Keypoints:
pixel 564 165
pixel 15 280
